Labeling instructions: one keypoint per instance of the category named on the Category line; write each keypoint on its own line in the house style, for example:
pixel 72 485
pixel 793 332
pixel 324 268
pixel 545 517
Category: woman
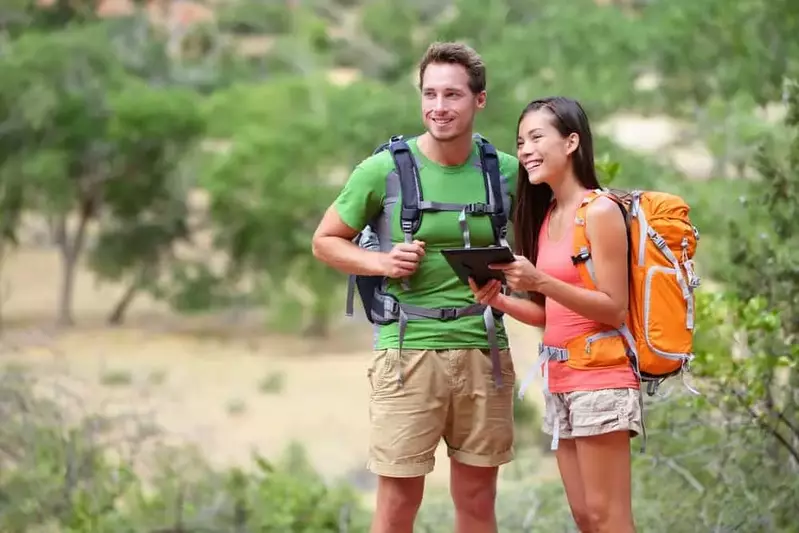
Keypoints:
pixel 592 411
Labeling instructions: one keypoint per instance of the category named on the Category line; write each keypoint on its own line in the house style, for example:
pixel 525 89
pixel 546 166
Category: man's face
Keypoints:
pixel 448 105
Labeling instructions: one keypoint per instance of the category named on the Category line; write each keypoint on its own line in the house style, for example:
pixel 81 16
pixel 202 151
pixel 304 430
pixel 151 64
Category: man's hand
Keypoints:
pixel 403 260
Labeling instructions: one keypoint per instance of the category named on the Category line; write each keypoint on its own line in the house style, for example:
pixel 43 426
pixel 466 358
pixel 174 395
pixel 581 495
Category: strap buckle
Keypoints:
pixel 449 313
pixel 395 306
pixel 581 257
pixel 478 209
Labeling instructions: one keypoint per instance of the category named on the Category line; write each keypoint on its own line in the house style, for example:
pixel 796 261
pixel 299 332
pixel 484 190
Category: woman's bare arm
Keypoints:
pixel 522 309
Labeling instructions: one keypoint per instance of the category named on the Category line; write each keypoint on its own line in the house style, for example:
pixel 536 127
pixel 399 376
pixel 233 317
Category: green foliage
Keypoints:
pixel 527 419
pixel 761 302
pixel 712 202
pixel 390 26
pixel 19 16
pixel 764 245
pixel 257 191
pixel 150 130
pixel 271 186
pixel 733 133
pixel 52 92
pixel 747 358
pixel 528 57
pixel 724 471
pixel 53 471
pixel 90 138
pixel 714 48
pixel 607 170
pixel 75 474
pixel 251 17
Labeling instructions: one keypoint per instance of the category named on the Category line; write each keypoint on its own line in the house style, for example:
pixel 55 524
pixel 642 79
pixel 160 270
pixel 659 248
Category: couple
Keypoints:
pixel 447 386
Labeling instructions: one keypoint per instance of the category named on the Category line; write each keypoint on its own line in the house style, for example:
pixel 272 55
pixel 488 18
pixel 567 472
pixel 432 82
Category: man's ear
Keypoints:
pixel 481 99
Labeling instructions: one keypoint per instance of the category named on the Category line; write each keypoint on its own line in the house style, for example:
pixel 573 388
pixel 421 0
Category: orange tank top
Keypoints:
pixel 562 324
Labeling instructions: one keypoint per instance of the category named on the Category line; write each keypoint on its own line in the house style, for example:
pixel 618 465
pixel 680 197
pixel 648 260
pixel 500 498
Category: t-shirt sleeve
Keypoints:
pixel 363 195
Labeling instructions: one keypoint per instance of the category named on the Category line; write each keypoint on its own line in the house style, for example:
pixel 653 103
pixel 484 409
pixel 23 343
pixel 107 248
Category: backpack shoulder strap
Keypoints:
pixel 582 248
pixel 489 162
pixel 410 186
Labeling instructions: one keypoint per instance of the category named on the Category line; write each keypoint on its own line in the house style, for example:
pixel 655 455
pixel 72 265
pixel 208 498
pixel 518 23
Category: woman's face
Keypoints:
pixel 542 150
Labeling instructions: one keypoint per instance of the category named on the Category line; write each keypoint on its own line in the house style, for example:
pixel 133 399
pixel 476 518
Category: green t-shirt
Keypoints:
pixel 434 284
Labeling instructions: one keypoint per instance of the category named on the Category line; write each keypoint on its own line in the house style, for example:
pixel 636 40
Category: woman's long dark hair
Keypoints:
pixel 532 201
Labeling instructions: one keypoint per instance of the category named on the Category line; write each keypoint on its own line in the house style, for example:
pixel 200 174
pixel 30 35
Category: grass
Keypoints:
pixel 272 383
pixel 116 378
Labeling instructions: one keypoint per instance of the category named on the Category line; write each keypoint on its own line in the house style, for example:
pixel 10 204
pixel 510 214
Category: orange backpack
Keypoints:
pixel 660 320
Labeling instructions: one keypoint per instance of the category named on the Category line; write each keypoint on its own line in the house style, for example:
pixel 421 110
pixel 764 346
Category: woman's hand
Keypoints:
pixel 520 275
pixel 488 293
pixel 521 309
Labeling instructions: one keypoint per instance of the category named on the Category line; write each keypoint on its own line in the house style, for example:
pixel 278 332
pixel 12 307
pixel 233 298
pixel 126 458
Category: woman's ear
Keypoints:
pixel 572 143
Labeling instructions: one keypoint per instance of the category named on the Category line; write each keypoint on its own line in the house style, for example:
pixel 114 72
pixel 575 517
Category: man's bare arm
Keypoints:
pixel 332 244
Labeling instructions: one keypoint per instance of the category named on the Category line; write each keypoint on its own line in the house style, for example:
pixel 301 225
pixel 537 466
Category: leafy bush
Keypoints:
pixel 66 472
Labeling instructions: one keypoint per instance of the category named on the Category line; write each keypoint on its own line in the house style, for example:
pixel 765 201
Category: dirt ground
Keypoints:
pixel 228 393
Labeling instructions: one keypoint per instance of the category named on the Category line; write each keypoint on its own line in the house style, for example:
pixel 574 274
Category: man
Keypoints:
pixel 440 385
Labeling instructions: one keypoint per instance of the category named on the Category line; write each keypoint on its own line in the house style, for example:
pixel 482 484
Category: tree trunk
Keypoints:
pixel 319 326
pixel 52 231
pixel 322 307
pixel 3 295
pixel 71 249
pixel 67 288
pixel 791 411
pixel 117 316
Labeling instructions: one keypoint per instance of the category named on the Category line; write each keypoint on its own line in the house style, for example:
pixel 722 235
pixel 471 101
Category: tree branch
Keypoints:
pixel 773 431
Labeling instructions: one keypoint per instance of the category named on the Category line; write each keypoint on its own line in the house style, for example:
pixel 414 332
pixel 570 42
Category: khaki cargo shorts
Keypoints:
pixel 447 394
pixel 588 413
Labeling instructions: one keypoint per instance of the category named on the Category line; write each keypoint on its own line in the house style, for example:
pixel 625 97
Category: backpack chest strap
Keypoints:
pixel 477 208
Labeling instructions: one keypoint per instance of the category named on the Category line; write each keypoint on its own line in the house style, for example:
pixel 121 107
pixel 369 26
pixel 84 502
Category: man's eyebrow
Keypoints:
pixel 454 89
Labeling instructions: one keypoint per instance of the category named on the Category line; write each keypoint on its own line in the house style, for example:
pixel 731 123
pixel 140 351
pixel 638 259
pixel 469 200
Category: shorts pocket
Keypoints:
pixel 378 369
pixel 506 368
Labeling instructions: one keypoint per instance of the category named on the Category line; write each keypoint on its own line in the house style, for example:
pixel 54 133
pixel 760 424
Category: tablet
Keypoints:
pixel 473 262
